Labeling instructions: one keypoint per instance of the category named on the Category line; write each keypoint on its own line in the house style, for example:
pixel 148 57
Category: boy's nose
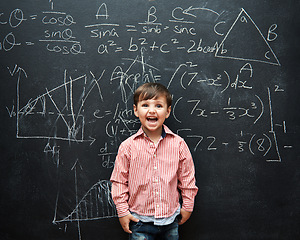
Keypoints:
pixel 152 109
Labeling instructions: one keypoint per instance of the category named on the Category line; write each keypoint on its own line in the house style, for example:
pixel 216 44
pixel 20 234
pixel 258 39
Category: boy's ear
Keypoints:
pixel 168 112
pixel 135 110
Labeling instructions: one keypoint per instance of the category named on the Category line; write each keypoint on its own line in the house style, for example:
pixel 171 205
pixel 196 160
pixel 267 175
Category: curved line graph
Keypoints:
pixel 95 204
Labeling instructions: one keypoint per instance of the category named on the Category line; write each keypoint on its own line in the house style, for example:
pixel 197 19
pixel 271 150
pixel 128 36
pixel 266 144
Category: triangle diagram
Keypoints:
pixel 244 41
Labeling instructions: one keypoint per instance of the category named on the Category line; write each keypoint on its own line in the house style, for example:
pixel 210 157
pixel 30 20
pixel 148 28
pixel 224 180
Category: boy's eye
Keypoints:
pixel 144 105
pixel 158 106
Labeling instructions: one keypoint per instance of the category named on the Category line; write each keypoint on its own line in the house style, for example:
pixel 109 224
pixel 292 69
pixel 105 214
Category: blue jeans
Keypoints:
pixel 149 231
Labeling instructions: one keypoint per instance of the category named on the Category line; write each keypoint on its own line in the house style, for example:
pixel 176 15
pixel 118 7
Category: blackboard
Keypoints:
pixel 68 72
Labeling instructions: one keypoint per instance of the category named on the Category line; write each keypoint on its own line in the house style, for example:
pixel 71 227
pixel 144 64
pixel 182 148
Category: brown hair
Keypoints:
pixel 151 90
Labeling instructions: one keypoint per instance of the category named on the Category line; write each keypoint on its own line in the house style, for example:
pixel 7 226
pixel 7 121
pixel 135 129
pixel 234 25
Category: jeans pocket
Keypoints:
pixel 135 225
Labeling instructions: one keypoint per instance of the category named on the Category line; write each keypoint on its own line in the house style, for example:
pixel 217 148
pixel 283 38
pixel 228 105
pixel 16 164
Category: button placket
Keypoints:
pixel 156 181
pixel 154 161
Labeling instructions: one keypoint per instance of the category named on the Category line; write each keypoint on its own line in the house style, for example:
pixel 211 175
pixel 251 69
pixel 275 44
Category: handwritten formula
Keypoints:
pixel 72 75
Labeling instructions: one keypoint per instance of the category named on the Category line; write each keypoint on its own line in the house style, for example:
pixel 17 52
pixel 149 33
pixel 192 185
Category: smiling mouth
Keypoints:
pixel 152 119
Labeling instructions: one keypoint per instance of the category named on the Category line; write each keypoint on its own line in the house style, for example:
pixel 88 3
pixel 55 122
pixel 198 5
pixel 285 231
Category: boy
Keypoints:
pixel 150 167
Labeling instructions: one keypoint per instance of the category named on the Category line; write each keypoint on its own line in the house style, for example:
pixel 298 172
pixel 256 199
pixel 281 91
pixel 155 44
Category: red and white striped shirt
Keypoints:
pixel 147 176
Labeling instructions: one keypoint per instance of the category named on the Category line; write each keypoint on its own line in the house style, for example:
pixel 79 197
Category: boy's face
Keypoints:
pixel 152 114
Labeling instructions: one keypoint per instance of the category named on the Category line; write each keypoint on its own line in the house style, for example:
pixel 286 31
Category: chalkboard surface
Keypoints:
pixel 68 72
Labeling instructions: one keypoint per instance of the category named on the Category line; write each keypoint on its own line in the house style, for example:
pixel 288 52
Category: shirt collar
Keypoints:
pixel 165 131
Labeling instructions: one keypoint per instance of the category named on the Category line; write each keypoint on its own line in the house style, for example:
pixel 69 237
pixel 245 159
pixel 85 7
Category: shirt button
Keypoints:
pixel 154 155
pixel 155 168
pixel 157 206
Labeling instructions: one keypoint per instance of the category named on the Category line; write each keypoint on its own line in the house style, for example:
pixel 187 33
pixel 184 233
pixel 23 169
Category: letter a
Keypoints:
pixel 102 8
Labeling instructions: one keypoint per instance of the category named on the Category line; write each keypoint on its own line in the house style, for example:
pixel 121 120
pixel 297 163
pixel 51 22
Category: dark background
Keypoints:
pixel 68 72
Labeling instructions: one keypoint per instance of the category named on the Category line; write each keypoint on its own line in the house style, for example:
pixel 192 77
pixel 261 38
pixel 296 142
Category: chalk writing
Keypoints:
pixel 74 88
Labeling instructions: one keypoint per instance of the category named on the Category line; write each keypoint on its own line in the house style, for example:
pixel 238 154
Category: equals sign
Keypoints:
pixel 33 17
pixel 29 43
pixel 131 28
pixel 119 49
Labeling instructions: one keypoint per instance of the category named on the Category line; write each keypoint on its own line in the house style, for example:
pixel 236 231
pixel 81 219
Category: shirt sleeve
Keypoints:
pixel 186 177
pixel 119 179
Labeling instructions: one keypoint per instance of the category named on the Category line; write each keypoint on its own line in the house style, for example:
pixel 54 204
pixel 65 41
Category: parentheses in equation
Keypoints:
pixel 173 112
pixel 174 74
pixel 181 80
pixel 114 131
pixel 228 77
pixel 262 109
pixel 270 143
pixel 250 143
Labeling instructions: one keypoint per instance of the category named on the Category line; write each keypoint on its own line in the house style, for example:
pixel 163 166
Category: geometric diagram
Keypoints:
pixel 244 41
pixel 56 114
pixel 95 204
